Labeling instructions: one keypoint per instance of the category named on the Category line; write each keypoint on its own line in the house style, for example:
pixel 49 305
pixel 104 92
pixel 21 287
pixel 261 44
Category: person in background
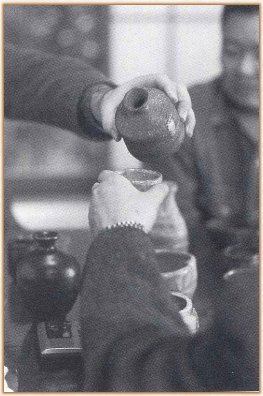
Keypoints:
pixel 217 170
pixel 70 94
pixel 133 338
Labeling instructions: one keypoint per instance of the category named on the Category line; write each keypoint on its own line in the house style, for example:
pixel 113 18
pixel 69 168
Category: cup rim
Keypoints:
pixel 228 276
pixel 174 252
pixel 191 261
pixel 180 271
pixel 158 176
pixel 231 251
pixel 130 97
pixel 191 258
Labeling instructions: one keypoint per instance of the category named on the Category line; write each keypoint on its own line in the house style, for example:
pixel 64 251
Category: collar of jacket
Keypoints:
pixel 222 112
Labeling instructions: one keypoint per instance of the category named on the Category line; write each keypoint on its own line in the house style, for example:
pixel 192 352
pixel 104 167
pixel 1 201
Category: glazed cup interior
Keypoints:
pixel 170 261
pixel 142 179
pixel 180 300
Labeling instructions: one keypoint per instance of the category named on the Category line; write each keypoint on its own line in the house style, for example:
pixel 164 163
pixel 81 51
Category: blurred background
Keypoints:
pixel 45 165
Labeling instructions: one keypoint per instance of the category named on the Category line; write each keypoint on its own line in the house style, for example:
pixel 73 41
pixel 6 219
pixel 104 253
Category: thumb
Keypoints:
pixel 158 193
pixel 104 175
pixel 114 133
pixel 112 176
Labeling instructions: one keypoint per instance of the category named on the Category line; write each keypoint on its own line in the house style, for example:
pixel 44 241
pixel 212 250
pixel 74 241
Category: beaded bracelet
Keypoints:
pixel 124 224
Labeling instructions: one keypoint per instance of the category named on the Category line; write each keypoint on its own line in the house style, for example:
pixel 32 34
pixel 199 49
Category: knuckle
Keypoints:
pixel 182 88
pixel 95 193
pixel 179 85
pixel 164 78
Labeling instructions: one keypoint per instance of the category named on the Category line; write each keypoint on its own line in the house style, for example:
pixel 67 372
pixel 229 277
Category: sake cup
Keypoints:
pixel 179 271
pixel 240 256
pixel 142 179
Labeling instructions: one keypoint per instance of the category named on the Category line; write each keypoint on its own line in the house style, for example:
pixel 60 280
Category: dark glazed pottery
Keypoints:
pixel 48 280
pixel 149 123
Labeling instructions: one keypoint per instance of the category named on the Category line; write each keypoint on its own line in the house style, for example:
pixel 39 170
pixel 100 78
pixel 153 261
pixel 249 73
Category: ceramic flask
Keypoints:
pixel 149 123
pixel 48 279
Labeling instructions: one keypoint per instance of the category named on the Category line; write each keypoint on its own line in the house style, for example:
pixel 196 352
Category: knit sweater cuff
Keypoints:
pixel 89 126
pixel 116 245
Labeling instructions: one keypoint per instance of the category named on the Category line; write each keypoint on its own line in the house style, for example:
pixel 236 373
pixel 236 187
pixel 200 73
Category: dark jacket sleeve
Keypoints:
pixel 133 339
pixel 45 88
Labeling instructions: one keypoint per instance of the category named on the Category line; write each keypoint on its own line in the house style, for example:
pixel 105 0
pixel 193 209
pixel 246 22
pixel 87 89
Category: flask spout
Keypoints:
pixel 136 99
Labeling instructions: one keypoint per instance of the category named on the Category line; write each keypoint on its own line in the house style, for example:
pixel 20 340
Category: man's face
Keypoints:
pixel 240 59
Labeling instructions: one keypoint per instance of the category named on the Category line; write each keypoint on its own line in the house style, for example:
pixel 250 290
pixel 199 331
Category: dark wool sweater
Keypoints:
pixel 54 90
pixel 133 338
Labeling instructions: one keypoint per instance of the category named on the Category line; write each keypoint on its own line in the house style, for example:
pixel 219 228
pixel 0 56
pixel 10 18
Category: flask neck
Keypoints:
pixel 46 240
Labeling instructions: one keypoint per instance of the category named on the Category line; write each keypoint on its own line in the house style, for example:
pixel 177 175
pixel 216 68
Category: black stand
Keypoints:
pixel 59 337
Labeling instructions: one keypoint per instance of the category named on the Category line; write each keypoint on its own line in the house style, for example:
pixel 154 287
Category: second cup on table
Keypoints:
pixel 240 256
pixel 179 271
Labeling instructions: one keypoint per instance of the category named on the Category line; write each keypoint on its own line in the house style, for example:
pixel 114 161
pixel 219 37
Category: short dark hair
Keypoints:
pixel 229 10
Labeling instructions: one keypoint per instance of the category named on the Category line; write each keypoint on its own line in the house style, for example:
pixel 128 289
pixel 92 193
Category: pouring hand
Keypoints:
pixel 178 94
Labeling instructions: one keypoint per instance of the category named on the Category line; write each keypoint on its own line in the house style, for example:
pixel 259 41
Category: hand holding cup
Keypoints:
pixel 115 199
